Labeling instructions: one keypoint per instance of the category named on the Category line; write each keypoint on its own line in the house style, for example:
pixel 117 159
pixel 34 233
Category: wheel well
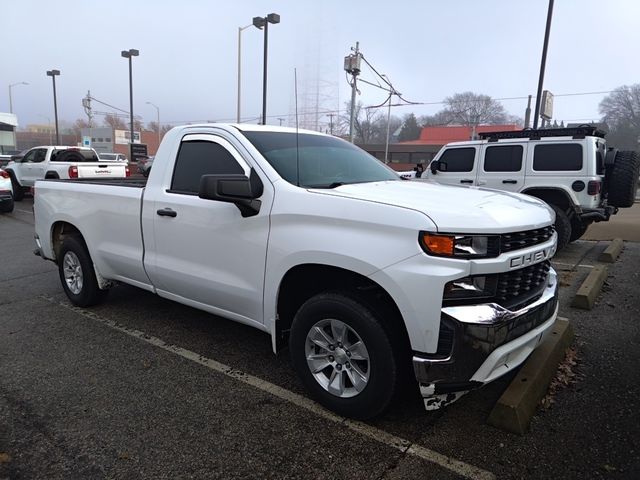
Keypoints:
pixel 552 196
pixel 59 232
pixel 51 175
pixel 304 281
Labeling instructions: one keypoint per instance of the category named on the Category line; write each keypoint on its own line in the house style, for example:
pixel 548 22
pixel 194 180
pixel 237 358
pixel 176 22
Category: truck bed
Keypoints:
pixel 134 182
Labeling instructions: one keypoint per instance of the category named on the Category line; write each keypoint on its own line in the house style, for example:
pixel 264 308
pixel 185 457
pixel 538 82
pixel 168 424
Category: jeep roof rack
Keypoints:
pixel 575 132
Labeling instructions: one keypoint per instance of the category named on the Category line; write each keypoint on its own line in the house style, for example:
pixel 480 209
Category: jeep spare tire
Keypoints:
pixel 623 179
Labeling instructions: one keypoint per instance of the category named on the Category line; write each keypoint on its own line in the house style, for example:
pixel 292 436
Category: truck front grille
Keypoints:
pixel 528 238
pixel 518 288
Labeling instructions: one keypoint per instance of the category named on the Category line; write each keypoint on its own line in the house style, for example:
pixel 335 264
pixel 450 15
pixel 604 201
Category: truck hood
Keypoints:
pixel 455 209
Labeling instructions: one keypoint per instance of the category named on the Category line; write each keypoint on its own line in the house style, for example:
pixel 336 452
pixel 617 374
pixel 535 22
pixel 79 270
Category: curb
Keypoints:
pixel 588 292
pixel 612 251
pixel 519 402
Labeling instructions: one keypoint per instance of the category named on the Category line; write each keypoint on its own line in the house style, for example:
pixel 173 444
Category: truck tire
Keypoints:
pixel 578 229
pixel 18 191
pixel 8 207
pixel 77 274
pixel 563 227
pixel 344 355
pixel 623 179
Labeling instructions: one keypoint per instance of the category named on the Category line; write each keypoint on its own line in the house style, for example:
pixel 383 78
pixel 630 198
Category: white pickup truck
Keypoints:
pixel 60 162
pixel 306 237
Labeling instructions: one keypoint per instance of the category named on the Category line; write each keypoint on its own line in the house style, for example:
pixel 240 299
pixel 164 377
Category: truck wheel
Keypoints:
pixel 578 229
pixel 344 355
pixel 7 208
pixel 77 274
pixel 563 227
pixel 623 179
pixel 18 191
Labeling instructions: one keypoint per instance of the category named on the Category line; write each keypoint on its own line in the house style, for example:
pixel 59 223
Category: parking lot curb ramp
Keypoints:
pixel 588 292
pixel 518 403
pixel 612 251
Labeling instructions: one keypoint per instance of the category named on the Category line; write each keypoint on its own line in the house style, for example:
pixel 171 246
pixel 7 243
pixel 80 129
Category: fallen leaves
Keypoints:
pixel 565 376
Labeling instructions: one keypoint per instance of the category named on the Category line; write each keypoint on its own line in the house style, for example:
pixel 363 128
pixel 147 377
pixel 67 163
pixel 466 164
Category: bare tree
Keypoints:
pixel 114 122
pixel 474 109
pixel 439 119
pixel 78 125
pixel 620 110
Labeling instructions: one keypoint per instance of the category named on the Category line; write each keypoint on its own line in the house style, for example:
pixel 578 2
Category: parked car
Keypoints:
pixel 144 165
pixel 112 157
pixel 6 192
pixel 571 169
pixel 59 162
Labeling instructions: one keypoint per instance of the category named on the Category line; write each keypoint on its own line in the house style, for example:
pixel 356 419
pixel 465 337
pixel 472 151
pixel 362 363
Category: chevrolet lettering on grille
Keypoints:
pixel 529 258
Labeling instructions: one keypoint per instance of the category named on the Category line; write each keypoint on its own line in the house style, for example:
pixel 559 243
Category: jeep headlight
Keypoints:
pixel 460 246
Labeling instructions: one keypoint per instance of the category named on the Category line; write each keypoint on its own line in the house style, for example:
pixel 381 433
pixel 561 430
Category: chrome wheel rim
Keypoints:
pixel 72 272
pixel 337 358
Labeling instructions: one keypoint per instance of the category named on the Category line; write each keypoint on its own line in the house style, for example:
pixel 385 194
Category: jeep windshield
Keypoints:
pixel 324 162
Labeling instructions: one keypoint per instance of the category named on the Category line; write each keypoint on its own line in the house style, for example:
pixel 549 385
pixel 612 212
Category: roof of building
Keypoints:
pixel 455 133
pixel 9 119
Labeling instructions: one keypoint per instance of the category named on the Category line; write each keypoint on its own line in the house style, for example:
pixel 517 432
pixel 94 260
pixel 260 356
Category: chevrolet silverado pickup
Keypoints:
pixel 59 162
pixel 366 277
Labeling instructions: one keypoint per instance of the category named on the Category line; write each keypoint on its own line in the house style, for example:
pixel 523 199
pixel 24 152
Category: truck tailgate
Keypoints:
pixel 107 216
pixel 102 170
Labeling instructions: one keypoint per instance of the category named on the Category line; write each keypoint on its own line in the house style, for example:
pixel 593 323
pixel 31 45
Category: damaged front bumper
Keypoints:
pixel 482 343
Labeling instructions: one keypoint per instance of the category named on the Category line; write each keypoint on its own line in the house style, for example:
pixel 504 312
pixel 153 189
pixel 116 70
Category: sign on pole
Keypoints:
pixel 546 110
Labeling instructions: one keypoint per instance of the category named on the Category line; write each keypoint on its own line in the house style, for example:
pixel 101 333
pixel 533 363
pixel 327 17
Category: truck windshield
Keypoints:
pixel 324 162
pixel 73 155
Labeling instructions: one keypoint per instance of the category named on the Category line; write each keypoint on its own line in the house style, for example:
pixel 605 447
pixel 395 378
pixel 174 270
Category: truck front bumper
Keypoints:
pixel 483 343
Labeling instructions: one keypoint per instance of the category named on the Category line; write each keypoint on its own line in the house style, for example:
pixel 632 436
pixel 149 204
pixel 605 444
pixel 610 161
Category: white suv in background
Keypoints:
pixel 571 169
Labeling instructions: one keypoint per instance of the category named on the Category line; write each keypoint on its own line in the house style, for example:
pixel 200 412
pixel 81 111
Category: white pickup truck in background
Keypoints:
pixel 365 276
pixel 60 162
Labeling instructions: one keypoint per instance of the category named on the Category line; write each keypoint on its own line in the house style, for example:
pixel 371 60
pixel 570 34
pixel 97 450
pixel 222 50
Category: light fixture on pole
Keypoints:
pixel 130 54
pixel 260 23
pixel 158 112
pixel 240 29
pixel 53 74
pixel 10 99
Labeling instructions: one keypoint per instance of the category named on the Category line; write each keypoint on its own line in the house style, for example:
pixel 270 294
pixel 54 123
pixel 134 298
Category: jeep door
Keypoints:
pixel 457 166
pixel 503 166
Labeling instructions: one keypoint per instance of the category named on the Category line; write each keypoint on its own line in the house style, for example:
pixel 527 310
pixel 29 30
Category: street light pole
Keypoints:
pixel 240 29
pixel 130 54
pixel 542 65
pixel 10 99
pixel 158 112
pixel 260 23
pixel 53 74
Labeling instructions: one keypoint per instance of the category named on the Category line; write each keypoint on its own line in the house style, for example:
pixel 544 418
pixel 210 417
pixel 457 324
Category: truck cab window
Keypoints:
pixel 197 158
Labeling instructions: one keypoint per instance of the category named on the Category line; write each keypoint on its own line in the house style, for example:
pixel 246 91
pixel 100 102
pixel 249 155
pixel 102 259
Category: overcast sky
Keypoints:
pixel 429 49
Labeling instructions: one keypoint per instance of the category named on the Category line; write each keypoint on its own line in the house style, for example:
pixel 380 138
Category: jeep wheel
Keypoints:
pixel 563 227
pixel 578 229
pixel 623 179
pixel 343 355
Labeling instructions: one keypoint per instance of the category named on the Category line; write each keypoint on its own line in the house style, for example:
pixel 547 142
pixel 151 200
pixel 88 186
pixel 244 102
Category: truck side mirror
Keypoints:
pixel 240 190
pixel 437 165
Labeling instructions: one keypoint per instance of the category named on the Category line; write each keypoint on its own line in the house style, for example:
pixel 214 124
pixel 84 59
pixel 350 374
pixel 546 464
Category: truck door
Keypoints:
pixel 30 165
pixel 457 166
pixel 201 250
pixel 502 166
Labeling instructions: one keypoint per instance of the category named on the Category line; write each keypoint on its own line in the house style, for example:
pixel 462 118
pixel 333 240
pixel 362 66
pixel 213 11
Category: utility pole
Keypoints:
pixel 352 66
pixel 281 120
pixel 331 115
pixel 527 113
pixel 542 64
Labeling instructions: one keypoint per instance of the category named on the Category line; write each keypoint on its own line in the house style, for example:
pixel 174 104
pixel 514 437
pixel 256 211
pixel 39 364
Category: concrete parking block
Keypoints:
pixel 612 252
pixel 588 292
pixel 518 403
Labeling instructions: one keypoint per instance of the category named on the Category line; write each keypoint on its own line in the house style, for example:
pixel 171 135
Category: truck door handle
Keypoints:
pixel 466 181
pixel 167 212
pixel 510 181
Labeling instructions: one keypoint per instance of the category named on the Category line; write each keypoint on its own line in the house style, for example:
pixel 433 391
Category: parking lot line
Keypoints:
pixel 405 446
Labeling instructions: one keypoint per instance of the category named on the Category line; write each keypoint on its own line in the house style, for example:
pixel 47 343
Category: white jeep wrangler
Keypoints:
pixel 571 169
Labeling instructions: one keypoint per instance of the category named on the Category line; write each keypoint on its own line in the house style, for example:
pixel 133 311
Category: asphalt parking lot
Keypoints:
pixel 141 387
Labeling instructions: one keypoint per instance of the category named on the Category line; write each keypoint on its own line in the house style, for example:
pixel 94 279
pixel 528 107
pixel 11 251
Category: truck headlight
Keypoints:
pixel 479 286
pixel 460 246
